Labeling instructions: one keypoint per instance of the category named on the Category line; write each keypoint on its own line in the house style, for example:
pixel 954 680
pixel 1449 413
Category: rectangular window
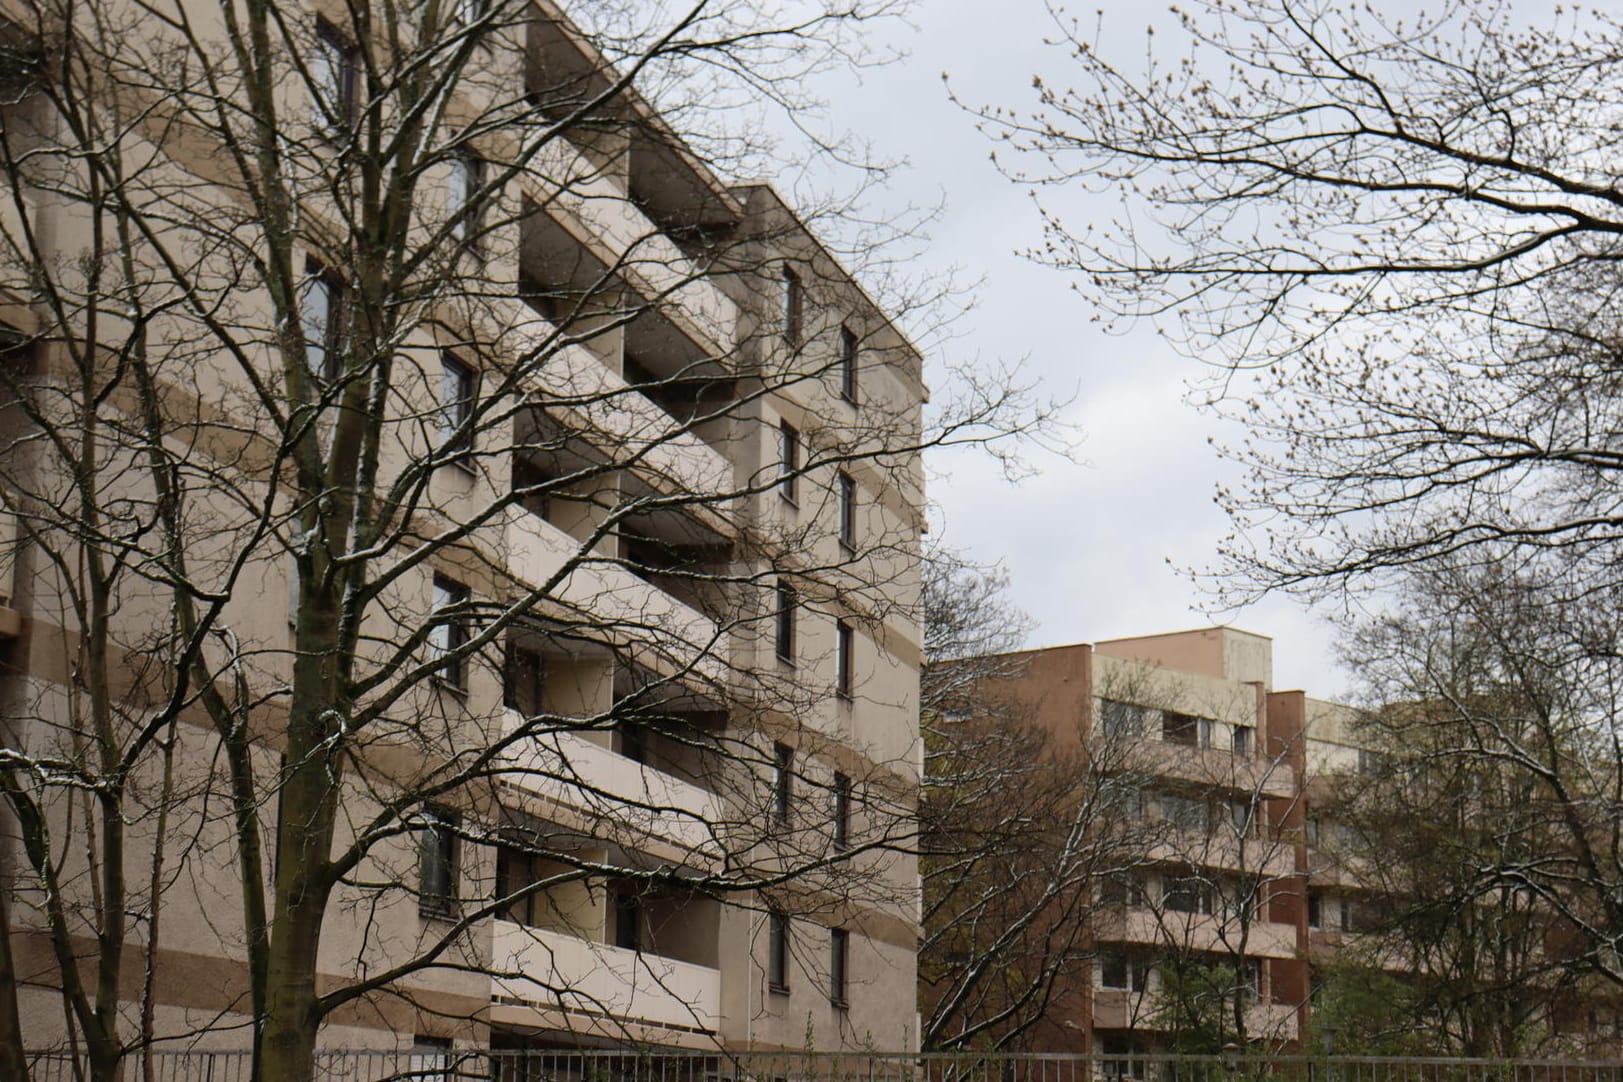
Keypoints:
pixel 848 364
pixel 1186 729
pixel 783 781
pixel 1241 742
pixel 332 77
pixel 1120 719
pixel 1241 818
pixel 437 871
pixel 463 204
pixel 794 305
pixel 1186 813
pixel 1315 909
pixel 1187 894
pixel 844 680
pixel 449 633
pixel 457 396
pixel 788 461
pixel 848 511
pixel 1122 888
pixel 321 304
pixel 777 953
pixel 839 957
pixel 784 636
pixel 1251 979
pixel 1121 971
pixel 842 812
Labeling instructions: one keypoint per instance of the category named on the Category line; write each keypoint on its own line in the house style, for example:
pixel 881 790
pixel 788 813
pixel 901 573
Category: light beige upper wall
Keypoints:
pixel 1223 653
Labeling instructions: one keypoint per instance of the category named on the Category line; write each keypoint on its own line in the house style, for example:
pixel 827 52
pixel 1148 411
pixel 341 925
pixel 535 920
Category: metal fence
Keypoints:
pixel 481 1065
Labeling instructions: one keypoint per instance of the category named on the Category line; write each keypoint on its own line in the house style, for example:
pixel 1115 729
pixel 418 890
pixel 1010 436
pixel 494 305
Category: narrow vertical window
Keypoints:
pixel 844 681
pixel 784 636
pixel 332 77
pixel 438 863
pixel 457 383
pixel 449 633
pixel 842 812
pixel 848 511
pixel 848 364
pixel 839 957
pixel 777 952
pixel 794 305
pixel 1241 741
pixel 321 304
pixel 463 205
pixel 788 460
pixel 783 781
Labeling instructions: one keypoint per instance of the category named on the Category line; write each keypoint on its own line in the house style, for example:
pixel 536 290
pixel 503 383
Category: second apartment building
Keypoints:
pixel 1200 935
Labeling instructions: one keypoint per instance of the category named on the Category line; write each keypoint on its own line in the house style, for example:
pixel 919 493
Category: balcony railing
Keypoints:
pixel 619 799
pixel 550 970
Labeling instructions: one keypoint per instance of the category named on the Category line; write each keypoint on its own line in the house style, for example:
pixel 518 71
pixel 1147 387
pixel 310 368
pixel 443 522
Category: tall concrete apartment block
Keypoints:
pixel 755 606
pixel 1225 893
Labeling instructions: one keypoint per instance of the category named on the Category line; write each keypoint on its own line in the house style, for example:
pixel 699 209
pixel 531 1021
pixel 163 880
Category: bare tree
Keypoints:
pixel 1488 822
pixel 1408 223
pixel 399 415
pixel 1417 837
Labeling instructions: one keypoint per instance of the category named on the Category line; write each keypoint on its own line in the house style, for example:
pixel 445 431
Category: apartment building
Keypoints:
pixel 504 611
pixel 1253 878
pixel 1211 905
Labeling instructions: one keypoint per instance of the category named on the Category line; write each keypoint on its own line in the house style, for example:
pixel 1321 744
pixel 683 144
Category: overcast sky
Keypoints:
pixel 1095 549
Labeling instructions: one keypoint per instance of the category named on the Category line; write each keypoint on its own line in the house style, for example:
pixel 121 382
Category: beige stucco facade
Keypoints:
pixel 604 625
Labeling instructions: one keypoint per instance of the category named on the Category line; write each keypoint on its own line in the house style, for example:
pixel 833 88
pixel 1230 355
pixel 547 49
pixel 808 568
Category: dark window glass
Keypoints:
pixel 839 957
pixel 844 682
pixel 788 460
pixel 1187 894
pixel 777 952
pixel 848 364
pixel 1242 741
pixel 1120 719
pixel 784 639
pixel 438 865
pixel 783 780
pixel 848 512
pixel 842 812
pixel 449 633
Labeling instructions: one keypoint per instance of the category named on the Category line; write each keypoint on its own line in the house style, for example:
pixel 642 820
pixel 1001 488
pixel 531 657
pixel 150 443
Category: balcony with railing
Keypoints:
pixel 1150 1012
pixel 581 391
pixel 583 780
pixel 544 970
pixel 1196 927
pixel 622 609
